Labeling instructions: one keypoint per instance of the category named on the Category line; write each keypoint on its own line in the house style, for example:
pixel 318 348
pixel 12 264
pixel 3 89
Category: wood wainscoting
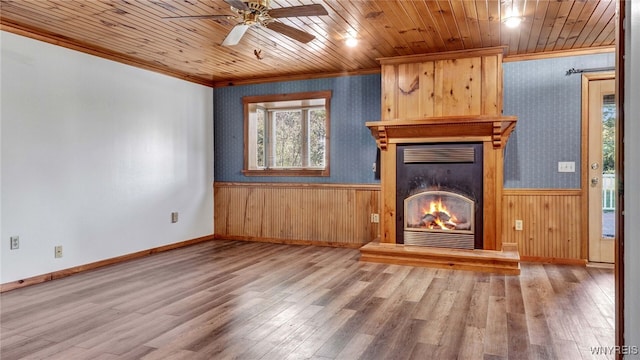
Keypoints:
pixel 340 215
pixel 297 213
pixel 551 220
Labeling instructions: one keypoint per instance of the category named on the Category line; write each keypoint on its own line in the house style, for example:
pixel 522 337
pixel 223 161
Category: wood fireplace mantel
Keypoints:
pixel 491 130
pixel 495 129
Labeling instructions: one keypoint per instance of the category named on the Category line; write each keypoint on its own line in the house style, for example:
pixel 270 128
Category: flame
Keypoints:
pixel 437 209
pixel 437 206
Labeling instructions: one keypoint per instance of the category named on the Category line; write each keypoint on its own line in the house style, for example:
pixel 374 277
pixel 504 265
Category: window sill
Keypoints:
pixel 287 172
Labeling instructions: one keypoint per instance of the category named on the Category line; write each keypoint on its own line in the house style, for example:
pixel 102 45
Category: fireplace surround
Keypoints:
pixel 448 103
pixel 445 100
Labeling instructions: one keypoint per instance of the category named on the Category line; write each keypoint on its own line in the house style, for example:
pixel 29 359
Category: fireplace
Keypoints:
pixel 441 138
pixel 439 195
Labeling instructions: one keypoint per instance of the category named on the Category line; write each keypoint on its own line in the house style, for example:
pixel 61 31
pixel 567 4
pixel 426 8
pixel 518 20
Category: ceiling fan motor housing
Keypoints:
pixel 256 13
pixel 259 6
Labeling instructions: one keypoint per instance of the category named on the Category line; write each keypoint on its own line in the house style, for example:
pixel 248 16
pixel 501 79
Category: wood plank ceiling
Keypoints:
pixel 134 32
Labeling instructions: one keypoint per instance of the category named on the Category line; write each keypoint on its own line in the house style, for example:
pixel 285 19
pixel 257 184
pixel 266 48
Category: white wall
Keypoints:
pixel 95 157
pixel 632 177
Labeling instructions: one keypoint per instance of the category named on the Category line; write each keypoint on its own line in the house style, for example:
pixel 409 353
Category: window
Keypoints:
pixel 287 135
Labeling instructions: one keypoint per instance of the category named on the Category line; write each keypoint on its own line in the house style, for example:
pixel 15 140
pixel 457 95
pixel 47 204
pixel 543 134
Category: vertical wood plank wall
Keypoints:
pixel 321 214
pixel 415 87
pixel 339 215
pixel 551 224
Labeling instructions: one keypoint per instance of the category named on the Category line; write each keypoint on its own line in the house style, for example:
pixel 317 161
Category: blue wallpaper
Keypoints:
pixel 355 100
pixel 546 102
pixel 548 106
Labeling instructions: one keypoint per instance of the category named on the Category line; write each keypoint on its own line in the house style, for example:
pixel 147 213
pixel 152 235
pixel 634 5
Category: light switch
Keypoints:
pixel 566 166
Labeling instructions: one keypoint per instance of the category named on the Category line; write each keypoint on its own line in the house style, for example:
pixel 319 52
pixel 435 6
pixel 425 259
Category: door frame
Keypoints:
pixel 584 157
pixel 584 160
pixel 621 39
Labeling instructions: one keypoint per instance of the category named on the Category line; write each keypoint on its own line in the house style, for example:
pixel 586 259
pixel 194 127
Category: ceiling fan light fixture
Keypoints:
pixel 351 41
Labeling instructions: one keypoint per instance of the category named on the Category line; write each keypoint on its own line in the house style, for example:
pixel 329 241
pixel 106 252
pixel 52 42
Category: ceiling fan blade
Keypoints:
pixel 198 17
pixel 304 10
pixel 237 4
pixel 295 34
pixel 235 35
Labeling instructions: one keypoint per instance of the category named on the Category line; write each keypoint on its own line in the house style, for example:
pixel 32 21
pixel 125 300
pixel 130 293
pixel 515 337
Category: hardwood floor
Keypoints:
pixel 232 299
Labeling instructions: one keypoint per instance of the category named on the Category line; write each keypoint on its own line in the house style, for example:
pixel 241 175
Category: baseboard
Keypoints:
pixel 81 268
pixel 599 265
pixel 288 241
pixel 553 260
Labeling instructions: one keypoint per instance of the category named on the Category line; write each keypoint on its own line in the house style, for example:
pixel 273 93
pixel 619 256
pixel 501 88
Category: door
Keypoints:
pixel 601 169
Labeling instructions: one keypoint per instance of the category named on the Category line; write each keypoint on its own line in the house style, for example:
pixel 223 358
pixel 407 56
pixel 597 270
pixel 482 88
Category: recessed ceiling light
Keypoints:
pixel 351 42
pixel 512 21
pixel 512 17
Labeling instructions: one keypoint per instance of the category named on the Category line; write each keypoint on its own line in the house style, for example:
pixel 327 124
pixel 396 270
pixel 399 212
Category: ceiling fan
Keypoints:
pixel 258 13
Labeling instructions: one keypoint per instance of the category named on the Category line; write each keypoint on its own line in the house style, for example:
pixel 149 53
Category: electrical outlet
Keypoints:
pixel 375 218
pixel 14 242
pixel 519 225
pixel 174 217
pixel 58 251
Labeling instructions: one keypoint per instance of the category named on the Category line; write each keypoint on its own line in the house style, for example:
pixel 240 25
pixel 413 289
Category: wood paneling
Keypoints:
pixel 461 87
pixel 491 86
pixel 340 216
pixel 388 161
pixel 490 213
pixel 134 32
pixel 407 94
pixel 389 99
pixel 551 224
pixel 337 215
pixel 445 84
